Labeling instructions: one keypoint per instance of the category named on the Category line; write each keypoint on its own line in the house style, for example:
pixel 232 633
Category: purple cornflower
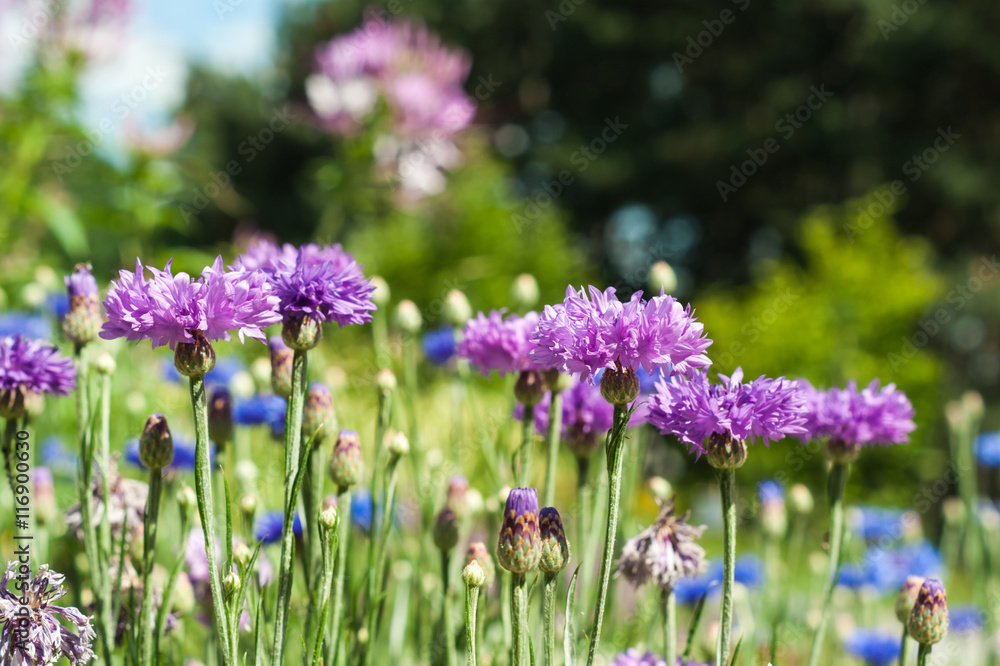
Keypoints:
pixel 871 416
pixel 583 335
pixel 632 657
pixel 171 309
pixel 695 410
pixel 31 365
pixel 499 343
pixel 663 552
pixel 586 417
pixel 33 630
pixel 324 283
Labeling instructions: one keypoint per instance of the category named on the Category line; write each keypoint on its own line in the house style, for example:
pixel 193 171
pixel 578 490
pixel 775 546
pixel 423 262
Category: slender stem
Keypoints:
pixel 148 556
pixel 549 619
pixel 203 490
pixel 392 478
pixel 471 608
pixel 615 448
pixel 340 569
pixel 106 544
pixel 376 527
pixel 168 591
pixel 835 492
pixel 584 506
pixel 312 504
pixel 555 428
pixel 326 573
pixel 507 611
pixel 668 604
pixel 527 446
pixel 446 633
pixel 904 648
pixel 727 484
pixel 519 619
pixel 923 654
pixel 293 445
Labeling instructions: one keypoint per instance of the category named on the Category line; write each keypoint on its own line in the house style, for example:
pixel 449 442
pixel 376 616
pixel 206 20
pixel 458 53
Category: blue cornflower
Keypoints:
pixel 965 619
pixel 261 409
pixel 24 323
pixel 184 450
pixel 269 526
pixel 439 346
pixel 889 568
pixel 875 648
pixel 57 457
pixel 58 303
pixel 988 449
pixel 361 509
pixel 877 523
pixel 747 571
pixel 854 576
pixel 690 590
pixel 770 491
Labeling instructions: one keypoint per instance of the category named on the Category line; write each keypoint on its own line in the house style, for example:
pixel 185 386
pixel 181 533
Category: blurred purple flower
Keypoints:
pixel 694 409
pixel 583 335
pixel 168 308
pixel 499 343
pixel 870 416
pixel 585 413
pixel 31 365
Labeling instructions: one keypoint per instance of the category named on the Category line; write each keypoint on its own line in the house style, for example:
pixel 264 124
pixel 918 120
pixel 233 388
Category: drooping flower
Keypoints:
pixel 583 335
pixel 170 309
pixel 852 418
pixel 875 648
pixel 28 370
pixel 495 342
pixel 439 345
pixel 695 410
pixel 33 626
pixel 663 552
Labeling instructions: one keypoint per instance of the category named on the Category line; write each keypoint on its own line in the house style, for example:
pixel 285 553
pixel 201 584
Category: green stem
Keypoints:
pixel 326 582
pixel 549 619
pixel 446 634
pixel 148 556
pixel 904 648
pixel 293 445
pixel 106 542
pixel 471 608
pixel 584 501
pixel 340 567
pixel 507 611
pixel 168 591
pixel 555 428
pixel 923 654
pixel 615 448
pixel 527 445
pixel 668 604
pixel 727 485
pixel 312 504
pixel 835 492
pixel 519 619
pixel 392 478
pixel 203 490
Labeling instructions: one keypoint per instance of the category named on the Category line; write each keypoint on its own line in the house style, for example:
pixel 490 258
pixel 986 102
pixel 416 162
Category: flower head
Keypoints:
pixel 495 342
pixel 82 319
pixel 871 416
pixel 28 365
pixel 928 622
pixel 875 648
pixel 33 626
pixel 519 547
pixel 694 409
pixel 988 449
pixel 172 309
pixel 632 657
pixel 555 547
pixel 663 552
pixel 583 335
pixel 439 345
pixel 126 503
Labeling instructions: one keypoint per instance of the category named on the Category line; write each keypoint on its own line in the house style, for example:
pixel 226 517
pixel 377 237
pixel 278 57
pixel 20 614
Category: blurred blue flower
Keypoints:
pixel 889 568
pixel 184 450
pixel 269 526
pixel 875 648
pixel 439 345
pixel 220 375
pixel 261 409
pixel 361 509
pixel 877 523
pixel 57 303
pixel 965 619
pixel 770 491
pixel 988 449
pixel 57 457
pixel 29 325
pixel 648 381
pixel 747 571
pixel 854 576
pixel 690 590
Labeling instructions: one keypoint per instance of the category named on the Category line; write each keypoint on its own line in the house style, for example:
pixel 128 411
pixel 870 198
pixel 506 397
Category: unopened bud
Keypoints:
pixel 408 317
pixel 456 308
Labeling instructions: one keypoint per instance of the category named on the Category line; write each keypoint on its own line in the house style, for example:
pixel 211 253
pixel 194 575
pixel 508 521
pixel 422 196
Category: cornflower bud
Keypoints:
pixel 281 366
pixel 156 446
pixel 520 545
pixel 346 464
pixel 555 548
pixel 446 530
pixel 928 621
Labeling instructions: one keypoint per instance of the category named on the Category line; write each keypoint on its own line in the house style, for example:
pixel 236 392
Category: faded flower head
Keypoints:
pixel 126 505
pixel 555 548
pixel 850 418
pixel 584 334
pixel 173 309
pixel 663 552
pixel 29 369
pixel 499 343
pixel 519 547
pixel 695 409
pixel 34 632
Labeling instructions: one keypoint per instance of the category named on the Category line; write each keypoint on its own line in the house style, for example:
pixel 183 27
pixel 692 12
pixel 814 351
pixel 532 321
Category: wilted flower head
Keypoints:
pixel 499 343
pixel 695 409
pixel 519 546
pixel 33 630
pixel 126 504
pixel 583 335
pixel 663 552
pixel 875 648
pixel 28 369
pixel 171 309
pixel 871 416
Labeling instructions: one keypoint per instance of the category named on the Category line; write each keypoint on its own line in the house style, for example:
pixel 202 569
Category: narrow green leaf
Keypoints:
pixel 569 631
pixel 693 629
pixel 736 650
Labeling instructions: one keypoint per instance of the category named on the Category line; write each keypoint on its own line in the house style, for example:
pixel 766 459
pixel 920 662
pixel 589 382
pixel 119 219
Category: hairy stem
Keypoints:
pixel 549 619
pixel 146 641
pixel 727 485
pixel 835 493
pixel 340 572
pixel 555 428
pixel 471 608
pixel 668 604
pixel 519 619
